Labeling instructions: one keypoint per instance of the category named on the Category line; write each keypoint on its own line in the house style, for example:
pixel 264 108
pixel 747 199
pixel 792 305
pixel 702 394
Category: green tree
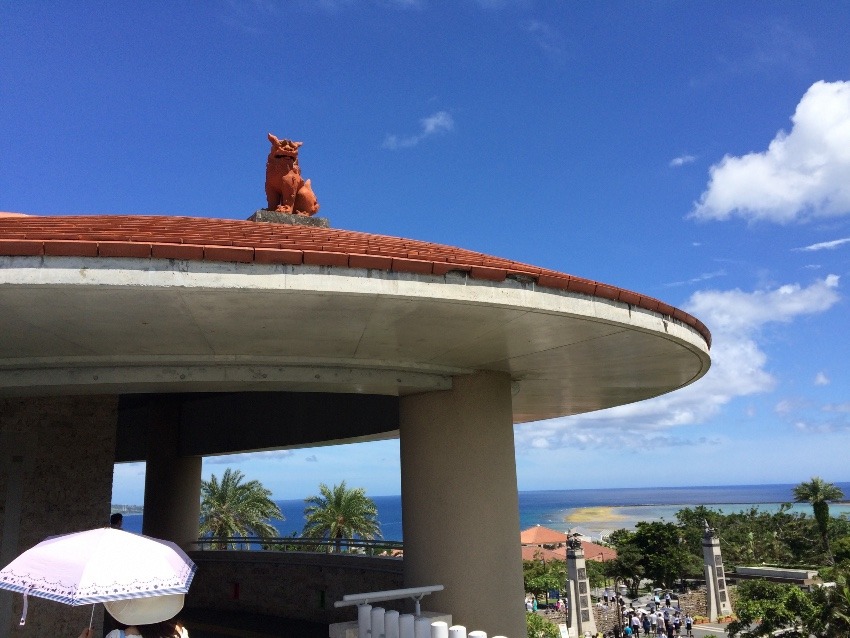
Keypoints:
pixel 841 550
pixel 692 526
pixel 663 556
pixel 540 577
pixel 595 573
pixel 619 537
pixel 832 612
pixel 840 611
pixel 627 567
pixel 232 508
pixel 832 608
pixel 818 492
pixel 756 536
pixel 763 607
pixel 341 513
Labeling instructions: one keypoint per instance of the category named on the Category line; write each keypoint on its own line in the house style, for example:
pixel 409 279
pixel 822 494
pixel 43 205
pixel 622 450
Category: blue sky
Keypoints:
pixel 698 152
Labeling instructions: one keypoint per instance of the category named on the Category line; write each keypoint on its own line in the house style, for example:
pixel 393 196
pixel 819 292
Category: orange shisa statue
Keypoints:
pixel 286 190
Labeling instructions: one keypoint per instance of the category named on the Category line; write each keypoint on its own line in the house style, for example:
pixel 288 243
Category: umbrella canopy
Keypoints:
pixel 99 565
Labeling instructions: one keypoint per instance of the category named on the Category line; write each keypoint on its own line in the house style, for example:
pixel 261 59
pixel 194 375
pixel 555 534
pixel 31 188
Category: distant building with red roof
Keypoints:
pixel 544 543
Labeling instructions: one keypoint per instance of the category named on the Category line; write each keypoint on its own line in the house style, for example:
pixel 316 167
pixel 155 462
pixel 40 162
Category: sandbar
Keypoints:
pixel 594 514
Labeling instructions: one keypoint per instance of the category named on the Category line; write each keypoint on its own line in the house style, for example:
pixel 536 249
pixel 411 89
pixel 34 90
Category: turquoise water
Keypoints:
pixel 560 509
pixel 623 508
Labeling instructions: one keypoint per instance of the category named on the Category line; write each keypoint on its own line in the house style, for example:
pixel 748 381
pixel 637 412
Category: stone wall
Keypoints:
pixel 56 461
pixel 293 585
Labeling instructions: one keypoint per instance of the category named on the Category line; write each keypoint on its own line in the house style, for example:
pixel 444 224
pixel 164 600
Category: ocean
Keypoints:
pixel 590 511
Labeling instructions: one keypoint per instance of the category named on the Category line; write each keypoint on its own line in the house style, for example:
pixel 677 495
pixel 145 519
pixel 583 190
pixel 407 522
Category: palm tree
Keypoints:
pixel 340 513
pixel 818 492
pixel 233 508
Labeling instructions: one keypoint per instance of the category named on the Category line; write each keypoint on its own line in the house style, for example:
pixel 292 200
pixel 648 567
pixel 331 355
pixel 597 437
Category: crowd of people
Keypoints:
pixel 657 620
pixel 660 623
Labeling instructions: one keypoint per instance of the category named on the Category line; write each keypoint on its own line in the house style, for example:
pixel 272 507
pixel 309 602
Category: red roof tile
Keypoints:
pixel 200 238
pixel 533 538
pixel 539 535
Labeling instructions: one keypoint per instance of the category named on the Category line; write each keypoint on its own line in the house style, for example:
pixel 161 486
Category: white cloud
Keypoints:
pixel 739 368
pixel 439 122
pixel 802 174
pixel 547 37
pixel 833 417
pixel 822 427
pixel 735 311
pixel 233 459
pixel 695 280
pixel 837 407
pixel 821 379
pixel 682 160
pixel 785 407
pixel 826 245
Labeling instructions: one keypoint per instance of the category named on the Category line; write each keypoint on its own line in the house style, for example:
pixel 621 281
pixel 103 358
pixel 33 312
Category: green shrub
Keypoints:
pixel 538 627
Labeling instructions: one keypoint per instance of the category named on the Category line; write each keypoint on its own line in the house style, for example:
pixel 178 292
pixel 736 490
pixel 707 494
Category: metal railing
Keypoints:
pixel 416 594
pixel 290 544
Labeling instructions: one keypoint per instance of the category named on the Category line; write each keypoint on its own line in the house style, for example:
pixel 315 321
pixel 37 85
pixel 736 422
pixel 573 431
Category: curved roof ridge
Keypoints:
pixel 211 239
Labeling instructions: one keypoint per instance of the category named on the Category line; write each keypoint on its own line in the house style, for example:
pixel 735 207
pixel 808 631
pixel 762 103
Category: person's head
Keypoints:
pixel 116 520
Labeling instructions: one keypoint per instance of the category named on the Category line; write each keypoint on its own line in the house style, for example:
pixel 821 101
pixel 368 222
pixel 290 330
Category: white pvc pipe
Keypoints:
pixel 364 621
pixel 391 629
pixel 439 629
pixel 457 631
pixel 422 628
pixel 477 634
pixel 405 626
pixel 378 614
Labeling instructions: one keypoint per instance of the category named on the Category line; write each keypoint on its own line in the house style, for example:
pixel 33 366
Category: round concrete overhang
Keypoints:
pixel 132 312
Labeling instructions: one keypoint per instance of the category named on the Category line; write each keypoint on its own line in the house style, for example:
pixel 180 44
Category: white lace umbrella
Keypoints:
pixel 99 565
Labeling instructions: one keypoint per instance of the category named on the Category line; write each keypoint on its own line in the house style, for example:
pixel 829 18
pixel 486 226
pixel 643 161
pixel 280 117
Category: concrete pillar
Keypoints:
pixel 56 460
pixel 172 482
pixel 460 506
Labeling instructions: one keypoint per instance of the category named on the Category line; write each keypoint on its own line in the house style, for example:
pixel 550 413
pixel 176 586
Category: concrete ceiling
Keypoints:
pixel 74 325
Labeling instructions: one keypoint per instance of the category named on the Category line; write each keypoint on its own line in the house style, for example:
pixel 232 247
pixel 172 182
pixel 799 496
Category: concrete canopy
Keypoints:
pixel 162 318
pixel 89 308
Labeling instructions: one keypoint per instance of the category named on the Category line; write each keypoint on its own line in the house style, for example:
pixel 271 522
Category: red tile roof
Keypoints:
pixel 592 551
pixel 539 535
pixel 198 238
pixel 532 552
pixel 532 538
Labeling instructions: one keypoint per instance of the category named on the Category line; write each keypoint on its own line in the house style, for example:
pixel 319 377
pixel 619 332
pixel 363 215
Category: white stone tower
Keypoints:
pixel 716 598
pixel 580 618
